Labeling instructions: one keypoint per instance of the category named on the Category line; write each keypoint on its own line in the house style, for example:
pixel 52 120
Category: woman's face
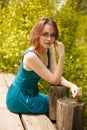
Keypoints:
pixel 47 37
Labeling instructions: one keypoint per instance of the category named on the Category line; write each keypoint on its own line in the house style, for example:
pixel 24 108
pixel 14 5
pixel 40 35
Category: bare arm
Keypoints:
pixel 74 89
pixel 36 65
pixel 65 82
pixel 76 92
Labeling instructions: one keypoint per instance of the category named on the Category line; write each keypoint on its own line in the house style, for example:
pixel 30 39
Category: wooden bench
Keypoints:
pixel 12 121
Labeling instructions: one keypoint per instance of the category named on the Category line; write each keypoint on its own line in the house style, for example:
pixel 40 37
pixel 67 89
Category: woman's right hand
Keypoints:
pixel 59 47
pixel 76 92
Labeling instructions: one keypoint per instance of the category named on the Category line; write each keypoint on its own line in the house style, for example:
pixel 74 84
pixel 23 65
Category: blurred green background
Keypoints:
pixel 17 17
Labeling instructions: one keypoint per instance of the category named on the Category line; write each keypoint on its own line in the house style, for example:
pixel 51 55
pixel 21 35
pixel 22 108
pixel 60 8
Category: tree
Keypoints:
pixel 82 6
pixel 17 19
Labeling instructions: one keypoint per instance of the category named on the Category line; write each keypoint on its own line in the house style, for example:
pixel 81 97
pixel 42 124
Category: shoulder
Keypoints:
pixel 30 55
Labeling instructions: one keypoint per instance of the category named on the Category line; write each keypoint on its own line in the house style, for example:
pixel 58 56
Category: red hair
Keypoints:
pixel 37 31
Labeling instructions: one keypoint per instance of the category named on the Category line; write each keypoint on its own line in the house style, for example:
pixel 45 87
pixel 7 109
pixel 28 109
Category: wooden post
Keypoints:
pixel 55 92
pixel 70 114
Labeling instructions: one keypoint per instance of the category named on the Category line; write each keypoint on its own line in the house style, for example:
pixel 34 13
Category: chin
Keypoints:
pixel 47 45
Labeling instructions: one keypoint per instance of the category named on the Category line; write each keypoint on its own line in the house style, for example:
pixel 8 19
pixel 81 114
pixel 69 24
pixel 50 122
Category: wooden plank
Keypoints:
pixel 9 78
pixel 3 85
pixel 9 120
pixel 37 122
pixel 55 92
pixel 3 92
pixel 70 114
pixel 5 81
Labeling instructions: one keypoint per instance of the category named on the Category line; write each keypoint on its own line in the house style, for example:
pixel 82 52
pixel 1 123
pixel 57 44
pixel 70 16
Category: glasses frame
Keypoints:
pixel 47 35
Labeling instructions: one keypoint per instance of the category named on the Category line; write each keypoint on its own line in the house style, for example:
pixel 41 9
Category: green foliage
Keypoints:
pixel 81 48
pixel 68 22
pixel 18 17
pixel 82 6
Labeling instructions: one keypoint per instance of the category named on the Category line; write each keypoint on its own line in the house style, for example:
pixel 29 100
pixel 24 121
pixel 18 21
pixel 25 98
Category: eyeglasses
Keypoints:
pixel 47 35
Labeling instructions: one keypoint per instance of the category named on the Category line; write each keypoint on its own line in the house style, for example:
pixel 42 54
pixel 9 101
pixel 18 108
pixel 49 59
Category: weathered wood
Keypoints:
pixel 8 78
pixel 70 114
pixel 3 92
pixel 5 81
pixel 37 122
pixel 9 120
pixel 12 121
pixel 55 92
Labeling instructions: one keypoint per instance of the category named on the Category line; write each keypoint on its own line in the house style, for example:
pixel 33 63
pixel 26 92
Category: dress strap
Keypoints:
pixel 48 53
pixel 28 50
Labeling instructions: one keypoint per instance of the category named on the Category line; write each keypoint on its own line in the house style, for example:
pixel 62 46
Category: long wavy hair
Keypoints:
pixel 37 31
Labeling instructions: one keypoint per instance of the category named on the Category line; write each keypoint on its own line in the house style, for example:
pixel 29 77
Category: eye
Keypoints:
pixel 53 35
pixel 45 34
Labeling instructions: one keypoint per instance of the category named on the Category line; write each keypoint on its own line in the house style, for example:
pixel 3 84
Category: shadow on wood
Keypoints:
pixel 70 114
pixel 55 92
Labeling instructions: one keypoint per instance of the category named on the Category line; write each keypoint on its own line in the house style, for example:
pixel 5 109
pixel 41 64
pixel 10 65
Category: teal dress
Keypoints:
pixel 23 96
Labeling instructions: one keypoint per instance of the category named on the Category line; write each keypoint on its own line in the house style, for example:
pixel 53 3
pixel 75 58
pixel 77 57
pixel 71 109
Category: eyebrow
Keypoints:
pixel 48 32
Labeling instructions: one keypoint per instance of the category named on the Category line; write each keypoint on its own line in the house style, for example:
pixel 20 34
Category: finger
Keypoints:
pixel 77 95
pixel 74 95
pixel 79 92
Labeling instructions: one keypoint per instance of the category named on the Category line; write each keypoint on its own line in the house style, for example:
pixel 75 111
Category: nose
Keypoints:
pixel 49 37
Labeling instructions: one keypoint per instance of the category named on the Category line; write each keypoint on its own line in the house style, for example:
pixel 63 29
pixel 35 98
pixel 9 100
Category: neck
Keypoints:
pixel 41 50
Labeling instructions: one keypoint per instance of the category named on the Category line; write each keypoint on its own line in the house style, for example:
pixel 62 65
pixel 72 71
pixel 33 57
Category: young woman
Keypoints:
pixel 39 61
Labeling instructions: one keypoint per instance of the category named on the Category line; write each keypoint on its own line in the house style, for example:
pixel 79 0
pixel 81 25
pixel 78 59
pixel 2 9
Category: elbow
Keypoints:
pixel 55 81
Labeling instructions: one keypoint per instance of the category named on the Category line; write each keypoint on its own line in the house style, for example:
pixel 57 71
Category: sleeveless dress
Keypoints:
pixel 23 96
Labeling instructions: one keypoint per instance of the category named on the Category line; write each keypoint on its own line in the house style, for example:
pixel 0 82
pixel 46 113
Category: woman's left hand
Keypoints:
pixel 76 92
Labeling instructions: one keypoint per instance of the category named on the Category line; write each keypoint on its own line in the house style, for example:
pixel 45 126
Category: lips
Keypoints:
pixel 48 43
